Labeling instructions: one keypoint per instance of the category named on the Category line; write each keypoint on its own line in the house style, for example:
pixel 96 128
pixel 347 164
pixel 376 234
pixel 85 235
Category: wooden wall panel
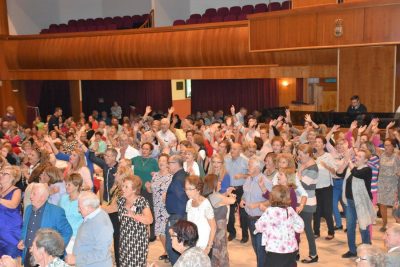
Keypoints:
pixel 286 94
pixel 264 32
pixel 397 91
pixel 3 18
pixel 309 3
pixel 243 72
pixel 382 23
pixel 353 27
pixel 367 72
pixel 76 98
pixel 298 31
pixel 16 99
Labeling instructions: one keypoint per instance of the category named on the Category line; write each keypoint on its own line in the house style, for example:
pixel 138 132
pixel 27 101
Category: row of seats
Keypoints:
pixel 233 13
pixel 98 24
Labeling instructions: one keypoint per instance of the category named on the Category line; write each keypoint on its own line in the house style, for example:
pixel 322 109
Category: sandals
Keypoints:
pixel 163 257
pixel 310 259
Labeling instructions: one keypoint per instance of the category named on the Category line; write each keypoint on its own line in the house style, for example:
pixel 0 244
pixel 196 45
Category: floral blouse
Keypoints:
pixel 278 227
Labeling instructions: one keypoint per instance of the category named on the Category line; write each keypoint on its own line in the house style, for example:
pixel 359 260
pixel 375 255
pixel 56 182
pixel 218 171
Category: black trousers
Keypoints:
pixel 242 215
pixel 324 209
pixel 281 260
pixel 116 225
pixel 149 197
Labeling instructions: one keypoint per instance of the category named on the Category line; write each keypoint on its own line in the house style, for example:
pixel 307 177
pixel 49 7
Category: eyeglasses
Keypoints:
pixel 217 162
pixel 358 259
pixel 190 189
pixel 4 173
pixel 170 162
pixel 174 235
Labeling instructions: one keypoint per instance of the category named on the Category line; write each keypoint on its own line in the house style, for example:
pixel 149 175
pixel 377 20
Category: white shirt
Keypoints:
pixel 324 175
pixel 130 153
pixel 195 168
pixel 168 137
pixel 200 216
pixel 393 249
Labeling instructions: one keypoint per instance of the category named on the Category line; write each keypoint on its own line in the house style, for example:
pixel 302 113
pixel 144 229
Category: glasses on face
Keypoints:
pixel 174 235
pixel 171 162
pixel 359 259
pixel 217 162
pixel 190 189
pixel 4 173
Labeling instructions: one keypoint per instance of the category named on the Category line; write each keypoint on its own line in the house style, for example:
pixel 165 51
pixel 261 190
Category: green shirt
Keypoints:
pixel 143 167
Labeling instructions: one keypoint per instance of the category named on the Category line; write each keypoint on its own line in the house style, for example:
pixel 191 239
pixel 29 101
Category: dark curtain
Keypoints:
pixel 46 95
pixel 299 89
pixel 253 94
pixel 157 94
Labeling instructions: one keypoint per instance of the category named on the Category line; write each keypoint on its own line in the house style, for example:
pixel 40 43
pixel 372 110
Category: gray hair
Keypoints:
pixel 374 256
pixel 43 189
pixel 258 163
pixel 178 160
pixel 51 241
pixel 89 199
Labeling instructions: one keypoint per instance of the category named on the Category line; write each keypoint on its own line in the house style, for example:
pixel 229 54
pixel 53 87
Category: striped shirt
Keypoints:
pixel 309 179
pixel 373 163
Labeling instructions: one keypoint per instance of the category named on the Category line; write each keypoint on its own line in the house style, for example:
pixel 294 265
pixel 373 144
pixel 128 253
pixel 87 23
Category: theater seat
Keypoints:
pixel 217 19
pixel 222 11
pixel 235 10
pixel 179 22
pixel 286 5
pixel 248 9
pixel 242 16
pixel 205 20
pixel 259 8
pixel 210 12
pixel 72 22
pixel 195 16
pixel 192 21
pixel 274 6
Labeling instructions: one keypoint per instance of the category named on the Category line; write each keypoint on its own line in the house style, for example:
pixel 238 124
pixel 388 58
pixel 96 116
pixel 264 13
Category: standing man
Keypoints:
pixel 251 202
pixel 41 214
pixel 54 121
pixel 95 235
pixel 236 166
pixel 175 201
pixel 356 110
pixel 165 135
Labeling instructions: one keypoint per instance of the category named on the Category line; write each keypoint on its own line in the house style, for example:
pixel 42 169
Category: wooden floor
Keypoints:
pixel 329 252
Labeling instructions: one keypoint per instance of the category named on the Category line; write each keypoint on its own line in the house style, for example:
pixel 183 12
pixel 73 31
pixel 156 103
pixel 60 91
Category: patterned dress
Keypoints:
pixel 388 179
pixel 134 237
pixel 159 186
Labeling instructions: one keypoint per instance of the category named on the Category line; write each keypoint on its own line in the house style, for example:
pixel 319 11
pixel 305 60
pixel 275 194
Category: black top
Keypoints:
pixel 365 174
pixel 53 121
pixel 176 198
pixel 354 112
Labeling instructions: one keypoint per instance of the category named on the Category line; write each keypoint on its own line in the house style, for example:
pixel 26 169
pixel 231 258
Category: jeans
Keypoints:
pixel 337 197
pixel 242 215
pixel 172 254
pixel 351 218
pixel 307 219
pixel 261 254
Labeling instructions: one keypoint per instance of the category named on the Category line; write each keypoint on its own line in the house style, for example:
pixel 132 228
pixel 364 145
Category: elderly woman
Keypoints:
pixel 184 237
pixel 47 247
pixel 369 256
pixel 159 185
pixel 135 216
pixel 52 176
pixel 69 201
pixel 200 212
pixel 10 212
pixel 220 204
pixel 190 165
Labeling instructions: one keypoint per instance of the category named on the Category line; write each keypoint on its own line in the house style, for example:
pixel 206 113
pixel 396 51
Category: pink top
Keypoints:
pixel 278 227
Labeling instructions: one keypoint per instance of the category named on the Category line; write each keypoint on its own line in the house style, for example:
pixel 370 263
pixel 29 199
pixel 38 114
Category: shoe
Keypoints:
pixel 310 259
pixel 298 256
pixel 231 237
pixel 342 215
pixel 316 236
pixel 338 228
pixel 163 257
pixel 345 230
pixel 383 229
pixel 378 214
pixel 329 237
pixel 244 240
pixel 349 254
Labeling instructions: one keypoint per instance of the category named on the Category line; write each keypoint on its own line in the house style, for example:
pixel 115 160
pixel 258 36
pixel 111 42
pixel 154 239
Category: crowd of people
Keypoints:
pixel 96 191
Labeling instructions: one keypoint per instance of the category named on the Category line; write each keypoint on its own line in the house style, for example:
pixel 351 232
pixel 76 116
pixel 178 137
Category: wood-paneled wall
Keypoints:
pixel 361 23
pixel 369 73
pixel 3 18
pixel 286 94
pixel 308 3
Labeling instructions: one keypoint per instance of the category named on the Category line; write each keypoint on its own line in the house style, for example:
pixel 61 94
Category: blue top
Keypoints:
pixel 176 198
pixel 71 212
pixel 225 183
pixel 234 167
pixel 10 229
pixel 33 226
pixel 252 193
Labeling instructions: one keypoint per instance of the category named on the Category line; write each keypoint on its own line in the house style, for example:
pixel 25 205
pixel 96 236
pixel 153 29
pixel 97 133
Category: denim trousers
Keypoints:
pixel 261 254
pixel 337 197
pixel 172 254
pixel 351 218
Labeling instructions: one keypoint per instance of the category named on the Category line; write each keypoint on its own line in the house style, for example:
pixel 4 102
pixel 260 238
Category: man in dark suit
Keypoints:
pixel 41 214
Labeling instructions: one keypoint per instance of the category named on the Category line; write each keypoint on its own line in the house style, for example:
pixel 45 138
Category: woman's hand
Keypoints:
pixel 207 250
pixel 299 208
pixel 21 245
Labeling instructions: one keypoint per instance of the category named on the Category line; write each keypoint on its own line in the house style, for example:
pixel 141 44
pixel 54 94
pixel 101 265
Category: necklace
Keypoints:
pixel 2 192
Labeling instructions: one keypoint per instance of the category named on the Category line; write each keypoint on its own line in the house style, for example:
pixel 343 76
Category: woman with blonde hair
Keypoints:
pixel 77 164
pixel 52 176
pixel 190 165
pixel 10 211
pixel 218 168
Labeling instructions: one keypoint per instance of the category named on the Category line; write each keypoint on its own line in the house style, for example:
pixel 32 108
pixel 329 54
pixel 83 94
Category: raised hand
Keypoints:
pixel 232 109
pixel 307 118
pixel 335 128
pixel 361 129
pixel 148 110
pixel 375 122
pixel 390 124
pixel 171 110
pixel 353 125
